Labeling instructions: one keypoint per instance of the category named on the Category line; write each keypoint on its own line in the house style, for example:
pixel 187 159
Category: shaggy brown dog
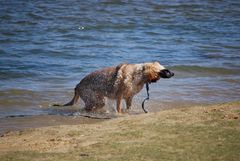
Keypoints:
pixel 120 82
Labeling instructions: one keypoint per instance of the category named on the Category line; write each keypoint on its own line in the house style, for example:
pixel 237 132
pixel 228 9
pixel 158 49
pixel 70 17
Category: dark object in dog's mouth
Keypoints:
pixel 165 73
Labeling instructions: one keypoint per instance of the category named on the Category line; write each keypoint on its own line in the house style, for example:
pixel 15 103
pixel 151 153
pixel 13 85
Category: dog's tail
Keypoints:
pixel 73 101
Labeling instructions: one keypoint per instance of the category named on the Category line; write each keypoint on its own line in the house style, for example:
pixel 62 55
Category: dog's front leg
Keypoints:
pixel 119 104
pixel 129 102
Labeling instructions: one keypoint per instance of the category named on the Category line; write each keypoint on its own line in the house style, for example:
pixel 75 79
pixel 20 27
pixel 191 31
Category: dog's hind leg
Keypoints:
pixel 92 106
pixel 92 100
pixel 99 102
pixel 89 102
pixel 89 107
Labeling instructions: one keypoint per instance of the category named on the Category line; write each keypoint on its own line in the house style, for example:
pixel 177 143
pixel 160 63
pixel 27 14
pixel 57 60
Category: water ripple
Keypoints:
pixel 54 44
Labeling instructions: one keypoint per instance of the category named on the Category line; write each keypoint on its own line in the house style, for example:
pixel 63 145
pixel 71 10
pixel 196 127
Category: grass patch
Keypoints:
pixel 199 133
pixel 30 155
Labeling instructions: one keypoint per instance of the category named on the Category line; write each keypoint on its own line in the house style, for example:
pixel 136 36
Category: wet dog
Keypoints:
pixel 121 82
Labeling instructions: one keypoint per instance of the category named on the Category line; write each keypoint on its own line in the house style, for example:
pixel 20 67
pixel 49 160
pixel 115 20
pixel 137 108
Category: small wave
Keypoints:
pixel 5 17
pixel 25 98
pixel 6 75
pixel 35 16
pixel 205 70
pixel 112 26
pixel 114 2
pixel 232 46
pixel 36 51
pixel 18 97
pixel 26 22
pixel 3 52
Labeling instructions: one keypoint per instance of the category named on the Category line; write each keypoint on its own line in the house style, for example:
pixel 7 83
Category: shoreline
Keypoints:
pixel 199 132
pixel 22 122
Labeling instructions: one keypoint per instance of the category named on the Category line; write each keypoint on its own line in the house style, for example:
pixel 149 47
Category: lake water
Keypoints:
pixel 46 48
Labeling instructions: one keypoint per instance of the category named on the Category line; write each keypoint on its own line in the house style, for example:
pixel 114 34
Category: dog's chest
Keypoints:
pixel 133 87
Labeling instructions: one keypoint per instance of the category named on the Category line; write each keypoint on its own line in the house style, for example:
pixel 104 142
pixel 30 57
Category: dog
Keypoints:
pixel 120 82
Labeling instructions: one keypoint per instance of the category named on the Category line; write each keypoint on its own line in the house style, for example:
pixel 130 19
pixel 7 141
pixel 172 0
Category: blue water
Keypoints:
pixel 46 48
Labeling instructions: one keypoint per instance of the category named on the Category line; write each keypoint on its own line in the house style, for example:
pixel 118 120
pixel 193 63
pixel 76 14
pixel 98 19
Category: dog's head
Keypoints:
pixel 154 71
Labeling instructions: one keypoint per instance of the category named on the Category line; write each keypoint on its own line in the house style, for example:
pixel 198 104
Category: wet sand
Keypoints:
pixel 26 122
pixel 22 122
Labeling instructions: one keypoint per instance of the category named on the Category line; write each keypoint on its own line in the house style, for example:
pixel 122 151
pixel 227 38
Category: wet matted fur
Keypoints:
pixel 118 83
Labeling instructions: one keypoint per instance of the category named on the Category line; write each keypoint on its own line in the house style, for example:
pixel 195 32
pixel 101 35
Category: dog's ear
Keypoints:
pixel 117 70
pixel 119 66
pixel 148 73
pixel 157 62
pixel 152 77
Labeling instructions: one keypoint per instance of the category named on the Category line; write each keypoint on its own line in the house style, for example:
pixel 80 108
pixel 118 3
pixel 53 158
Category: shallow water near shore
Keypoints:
pixel 46 48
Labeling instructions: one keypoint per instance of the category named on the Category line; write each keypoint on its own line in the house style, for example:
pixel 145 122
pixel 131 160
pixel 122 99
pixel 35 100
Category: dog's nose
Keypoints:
pixel 165 73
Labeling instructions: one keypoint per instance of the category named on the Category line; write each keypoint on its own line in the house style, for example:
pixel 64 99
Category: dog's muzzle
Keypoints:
pixel 165 73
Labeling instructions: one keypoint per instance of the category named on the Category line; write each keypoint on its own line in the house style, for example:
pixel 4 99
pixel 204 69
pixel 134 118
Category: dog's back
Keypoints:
pixel 101 81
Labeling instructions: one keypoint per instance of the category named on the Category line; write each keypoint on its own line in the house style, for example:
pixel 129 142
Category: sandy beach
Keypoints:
pixel 193 133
